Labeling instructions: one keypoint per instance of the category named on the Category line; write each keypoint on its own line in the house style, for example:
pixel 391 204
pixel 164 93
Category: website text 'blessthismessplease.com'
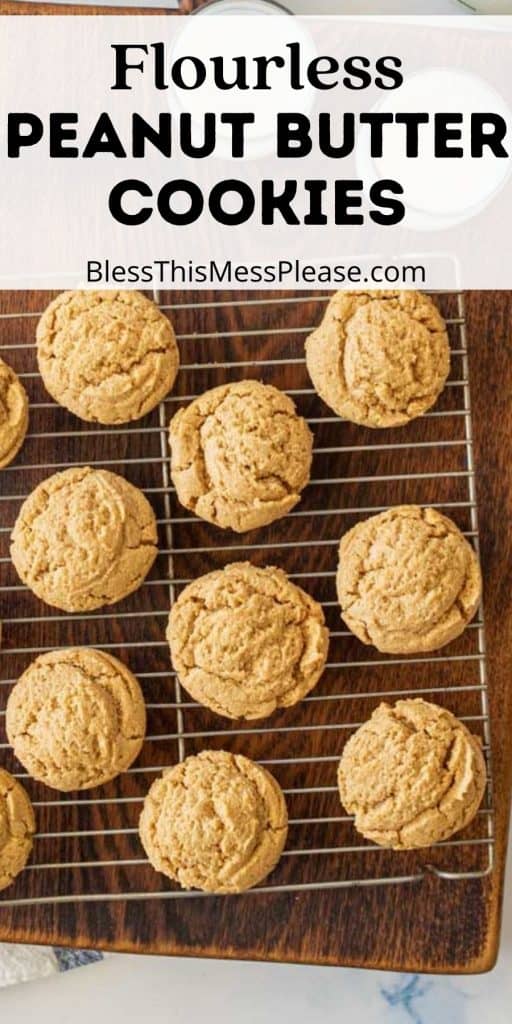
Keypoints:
pixel 228 273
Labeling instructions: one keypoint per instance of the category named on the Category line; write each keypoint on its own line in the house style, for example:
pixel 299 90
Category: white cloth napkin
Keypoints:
pixel 26 963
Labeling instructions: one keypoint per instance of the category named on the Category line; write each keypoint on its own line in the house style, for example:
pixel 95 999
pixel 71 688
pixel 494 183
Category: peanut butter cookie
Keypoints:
pixel 84 538
pixel 408 580
pixel 216 822
pixel 13 414
pixel 17 827
pixel 107 356
pixel 76 718
pixel 246 641
pixel 379 358
pixel 241 455
pixel 412 775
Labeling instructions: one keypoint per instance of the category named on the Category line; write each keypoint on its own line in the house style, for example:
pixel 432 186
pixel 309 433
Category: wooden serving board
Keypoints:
pixel 19 7
pixel 431 925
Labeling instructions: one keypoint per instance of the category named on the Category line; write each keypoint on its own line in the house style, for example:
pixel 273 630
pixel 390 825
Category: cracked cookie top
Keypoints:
pixel 13 414
pixel 107 356
pixel 379 358
pixel 246 640
pixel 408 580
pixel 216 822
pixel 412 775
pixel 17 827
pixel 241 455
pixel 84 538
pixel 76 718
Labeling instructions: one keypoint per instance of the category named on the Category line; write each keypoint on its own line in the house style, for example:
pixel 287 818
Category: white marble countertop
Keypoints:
pixel 163 990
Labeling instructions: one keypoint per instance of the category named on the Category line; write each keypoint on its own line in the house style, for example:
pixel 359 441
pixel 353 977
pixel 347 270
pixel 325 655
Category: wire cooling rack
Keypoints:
pixel 87 846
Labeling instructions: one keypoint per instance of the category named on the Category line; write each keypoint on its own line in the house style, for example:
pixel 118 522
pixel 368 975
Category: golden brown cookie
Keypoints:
pixel 246 640
pixel 107 356
pixel 379 358
pixel 17 827
pixel 13 414
pixel 216 822
pixel 241 455
pixel 408 580
pixel 76 718
pixel 84 538
pixel 412 775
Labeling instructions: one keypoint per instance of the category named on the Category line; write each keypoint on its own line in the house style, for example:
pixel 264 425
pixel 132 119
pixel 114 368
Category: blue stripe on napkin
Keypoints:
pixel 67 959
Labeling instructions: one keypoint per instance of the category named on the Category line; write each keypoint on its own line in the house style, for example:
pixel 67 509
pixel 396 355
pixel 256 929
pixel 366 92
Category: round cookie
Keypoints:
pixel 107 356
pixel 84 538
pixel 246 641
pixel 216 822
pixel 241 455
pixel 408 580
pixel 379 358
pixel 76 718
pixel 412 775
pixel 17 827
pixel 13 414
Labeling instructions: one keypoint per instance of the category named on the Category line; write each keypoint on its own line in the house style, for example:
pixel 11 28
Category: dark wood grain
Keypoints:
pixel 433 925
pixel 20 8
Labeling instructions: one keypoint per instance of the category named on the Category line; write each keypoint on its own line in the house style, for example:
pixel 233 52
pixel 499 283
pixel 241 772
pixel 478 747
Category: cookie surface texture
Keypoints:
pixel 13 414
pixel 246 641
pixel 379 358
pixel 412 775
pixel 107 356
pixel 408 580
pixel 216 822
pixel 240 455
pixel 76 718
pixel 84 538
pixel 17 827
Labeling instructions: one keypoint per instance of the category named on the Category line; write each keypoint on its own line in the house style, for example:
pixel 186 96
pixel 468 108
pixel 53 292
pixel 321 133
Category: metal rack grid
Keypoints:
pixel 450 429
